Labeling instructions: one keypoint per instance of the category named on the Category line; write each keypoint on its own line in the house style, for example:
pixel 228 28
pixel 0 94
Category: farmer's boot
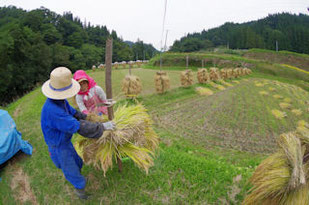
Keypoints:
pixel 81 194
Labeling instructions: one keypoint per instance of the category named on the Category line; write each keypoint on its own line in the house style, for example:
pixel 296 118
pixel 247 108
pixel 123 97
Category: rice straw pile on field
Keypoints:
pixel 263 92
pixel 203 75
pixel 204 91
pixel 278 114
pixel 236 72
pixel 247 71
pixel 283 177
pixel 277 96
pixel 214 73
pixel 225 83
pixel 236 81
pixel 133 138
pixel 229 73
pixel 271 89
pixel 131 86
pixel 259 84
pixel 101 66
pixel 245 80
pixel 93 68
pixel 186 78
pixel 162 82
pixel 297 111
pixel 287 100
pixel 284 105
pixel 223 73
pixel 219 87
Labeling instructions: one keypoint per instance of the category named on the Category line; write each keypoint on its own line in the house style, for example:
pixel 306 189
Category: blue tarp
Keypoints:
pixel 10 139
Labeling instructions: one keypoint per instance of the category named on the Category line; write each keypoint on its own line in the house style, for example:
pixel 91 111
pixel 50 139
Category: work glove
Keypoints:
pixel 110 125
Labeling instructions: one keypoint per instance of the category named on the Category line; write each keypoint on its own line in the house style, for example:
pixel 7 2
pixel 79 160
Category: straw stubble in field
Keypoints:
pixel 238 118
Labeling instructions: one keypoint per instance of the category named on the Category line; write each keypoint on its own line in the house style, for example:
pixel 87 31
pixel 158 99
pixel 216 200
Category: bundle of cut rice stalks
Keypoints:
pixel 203 75
pixel 204 91
pixel 263 92
pixel 186 78
pixel 162 82
pixel 247 71
pixel 219 87
pixel 101 66
pixel 131 86
pixel 223 73
pixel 285 105
pixel 93 68
pixel 214 74
pixel 277 96
pixel 133 138
pixel 271 89
pixel 297 112
pixel 278 114
pixel 225 83
pixel 283 177
pixel 229 73
pixel 236 72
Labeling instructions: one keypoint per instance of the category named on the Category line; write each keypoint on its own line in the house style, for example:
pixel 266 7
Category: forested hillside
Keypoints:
pixel 32 43
pixel 290 31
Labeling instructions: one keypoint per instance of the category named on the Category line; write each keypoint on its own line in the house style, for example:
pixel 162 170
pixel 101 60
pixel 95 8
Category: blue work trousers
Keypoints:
pixel 66 159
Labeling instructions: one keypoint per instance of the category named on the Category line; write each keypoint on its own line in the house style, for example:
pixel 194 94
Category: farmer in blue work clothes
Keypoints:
pixel 59 121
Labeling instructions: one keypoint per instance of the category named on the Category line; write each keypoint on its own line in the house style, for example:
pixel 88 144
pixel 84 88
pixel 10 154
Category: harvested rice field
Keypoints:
pixel 238 117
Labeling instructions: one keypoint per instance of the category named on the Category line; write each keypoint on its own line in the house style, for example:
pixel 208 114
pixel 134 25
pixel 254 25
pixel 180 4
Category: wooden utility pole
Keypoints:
pixel 108 84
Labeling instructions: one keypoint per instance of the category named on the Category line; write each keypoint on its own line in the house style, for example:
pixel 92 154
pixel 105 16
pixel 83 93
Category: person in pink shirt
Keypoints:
pixel 91 97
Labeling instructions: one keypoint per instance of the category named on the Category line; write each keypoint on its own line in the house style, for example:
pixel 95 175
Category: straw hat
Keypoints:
pixel 60 85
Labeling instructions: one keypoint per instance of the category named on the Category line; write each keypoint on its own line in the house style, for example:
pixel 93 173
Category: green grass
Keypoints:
pixel 186 169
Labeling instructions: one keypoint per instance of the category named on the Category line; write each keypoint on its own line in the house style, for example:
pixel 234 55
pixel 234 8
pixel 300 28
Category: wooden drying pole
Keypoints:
pixel 187 62
pixel 108 85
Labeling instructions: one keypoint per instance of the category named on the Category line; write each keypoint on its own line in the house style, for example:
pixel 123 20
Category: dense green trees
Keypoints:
pixel 290 31
pixel 33 43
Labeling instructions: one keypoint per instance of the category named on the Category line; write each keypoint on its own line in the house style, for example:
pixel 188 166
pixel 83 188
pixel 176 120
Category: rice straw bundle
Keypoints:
pixel 131 86
pixel 186 78
pixel 284 105
pixel 162 82
pixel 282 178
pixel 259 84
pixel 101 66
pixel 236 72
pixel 203 91
pixel 115 65
pixel 287 100
pixel 203 75
pixel 124 65
pixel 247 71
pixel 263 92
pixel 303 130
pixel 297 111
pixel 242 72
pixel 277 96
pixel 214 74
pixel 225 83
pixel 230 73
pixel 133 137
pixel 278 114
pixel 271 89
pixel 219 87
pixel 223 73
pixel 93 68
pixel 236 81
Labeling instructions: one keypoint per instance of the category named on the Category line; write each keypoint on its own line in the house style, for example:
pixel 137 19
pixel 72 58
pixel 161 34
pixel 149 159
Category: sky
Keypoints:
pixel 143 19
